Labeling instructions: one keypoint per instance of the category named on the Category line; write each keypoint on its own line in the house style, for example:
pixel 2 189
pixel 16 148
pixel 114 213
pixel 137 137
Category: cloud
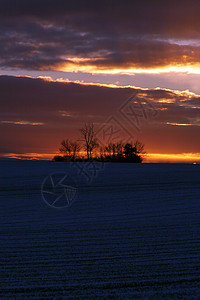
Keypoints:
pixel 36 114
pixel 179 124
pixel 99 37
pixel 23 123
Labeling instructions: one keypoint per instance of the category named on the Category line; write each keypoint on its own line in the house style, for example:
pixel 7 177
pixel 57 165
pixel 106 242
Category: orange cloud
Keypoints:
pixel 88 66
pixel 23 123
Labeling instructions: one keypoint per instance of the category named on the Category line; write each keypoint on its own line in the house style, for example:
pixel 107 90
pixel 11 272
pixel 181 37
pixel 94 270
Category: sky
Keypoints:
pixel 133 66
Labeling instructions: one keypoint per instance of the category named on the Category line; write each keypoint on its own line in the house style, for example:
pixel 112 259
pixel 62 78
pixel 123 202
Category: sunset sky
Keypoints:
pixel 134 66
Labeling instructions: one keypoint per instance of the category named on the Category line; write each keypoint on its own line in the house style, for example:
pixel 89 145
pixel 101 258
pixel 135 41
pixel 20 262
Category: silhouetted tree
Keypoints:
pixel 139 147
pixel 89 139
pixel 66 148
pixel 102 152
pixel 119 149
pixel 133 153
pixel 75 149
pixel 128 151
pixel 114 150
pixel 69 148
pixel 110 150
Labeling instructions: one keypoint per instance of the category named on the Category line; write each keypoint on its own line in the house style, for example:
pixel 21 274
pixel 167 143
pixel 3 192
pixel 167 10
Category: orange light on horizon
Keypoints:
pixel 30 156
pixel 148 158
pixel 169 157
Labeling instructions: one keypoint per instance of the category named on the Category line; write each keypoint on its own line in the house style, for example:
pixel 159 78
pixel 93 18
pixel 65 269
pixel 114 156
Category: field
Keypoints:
pixel 132 232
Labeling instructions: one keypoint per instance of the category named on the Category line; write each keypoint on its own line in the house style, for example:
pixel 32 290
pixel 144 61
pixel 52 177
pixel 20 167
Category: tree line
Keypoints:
pixel 113 152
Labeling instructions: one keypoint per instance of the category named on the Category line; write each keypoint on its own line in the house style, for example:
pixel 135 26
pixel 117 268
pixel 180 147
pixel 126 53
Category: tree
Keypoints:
pixel 134 152
pixel 70 148
pixel 66 147
pixel 75 149
pixel 139 147
pixel 114 149
pixel 110 149
pixel 102 152
pixel 119 149
pixel 89 139
pixel 128 151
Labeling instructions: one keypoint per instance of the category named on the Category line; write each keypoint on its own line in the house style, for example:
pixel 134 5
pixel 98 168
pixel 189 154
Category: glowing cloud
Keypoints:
pixel 23 123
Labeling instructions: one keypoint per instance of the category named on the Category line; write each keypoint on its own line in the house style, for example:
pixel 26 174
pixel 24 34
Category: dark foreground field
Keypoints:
pixel 133 231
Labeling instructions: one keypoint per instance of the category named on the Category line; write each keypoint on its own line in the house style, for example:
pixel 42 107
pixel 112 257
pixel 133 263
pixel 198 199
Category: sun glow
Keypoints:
pixel 193 158
pixel 30 156
pixel 180 157
pixel 87 65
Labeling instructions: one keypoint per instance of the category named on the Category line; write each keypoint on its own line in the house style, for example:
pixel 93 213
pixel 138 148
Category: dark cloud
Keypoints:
pixel 43 34
pixel 138 13
pixel 37 114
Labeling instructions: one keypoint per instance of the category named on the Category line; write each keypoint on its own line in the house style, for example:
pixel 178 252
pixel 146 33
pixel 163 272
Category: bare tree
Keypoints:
pixel 75 149
pixel 89 139
pixel 102 151
pixel 119 149
pixel 66 147
pixel 139 147
pixel 114 149
pixel 109 149
pixel 70 148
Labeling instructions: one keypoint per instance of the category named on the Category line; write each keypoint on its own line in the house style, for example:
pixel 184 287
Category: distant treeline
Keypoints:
pixel 113 152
